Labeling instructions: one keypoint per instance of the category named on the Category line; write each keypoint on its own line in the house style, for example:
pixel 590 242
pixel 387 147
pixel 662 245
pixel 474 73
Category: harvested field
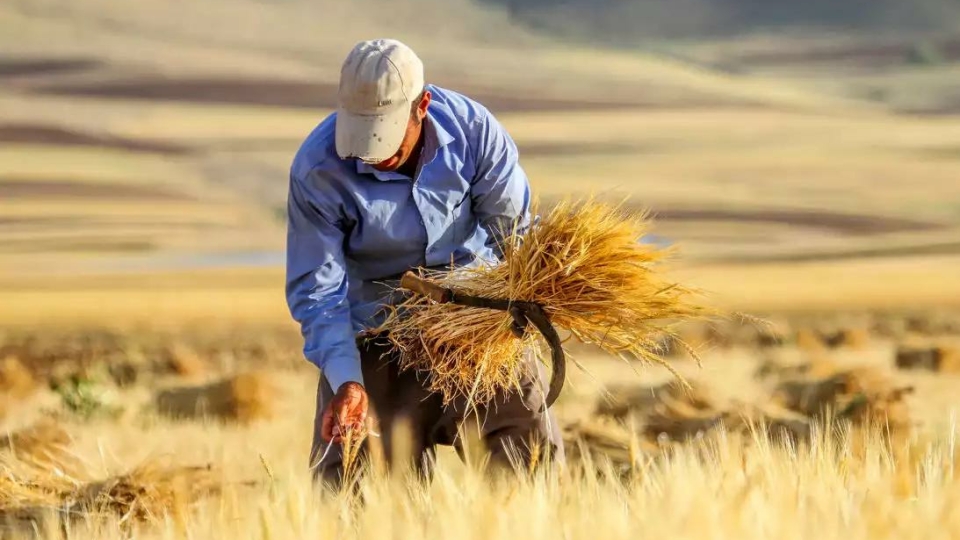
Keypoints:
pixel 631 432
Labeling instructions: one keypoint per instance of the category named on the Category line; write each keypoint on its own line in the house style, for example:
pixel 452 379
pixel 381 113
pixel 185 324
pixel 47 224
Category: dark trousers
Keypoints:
pixel 513 429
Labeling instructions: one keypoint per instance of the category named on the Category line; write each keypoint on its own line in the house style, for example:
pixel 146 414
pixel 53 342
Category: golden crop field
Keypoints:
pixel 152 383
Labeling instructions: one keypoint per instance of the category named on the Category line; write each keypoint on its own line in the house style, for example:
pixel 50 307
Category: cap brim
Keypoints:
pixel 370 137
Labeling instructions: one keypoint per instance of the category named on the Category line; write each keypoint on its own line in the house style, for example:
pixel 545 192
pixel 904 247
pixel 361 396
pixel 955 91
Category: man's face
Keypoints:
pixel 410 138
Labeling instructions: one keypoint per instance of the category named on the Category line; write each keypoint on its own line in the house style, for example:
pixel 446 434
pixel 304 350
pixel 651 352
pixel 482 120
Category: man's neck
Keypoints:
pixel 409 167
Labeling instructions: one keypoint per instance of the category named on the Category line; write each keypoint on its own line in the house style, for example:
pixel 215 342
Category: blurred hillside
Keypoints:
pixel 632 21
pixel 157 135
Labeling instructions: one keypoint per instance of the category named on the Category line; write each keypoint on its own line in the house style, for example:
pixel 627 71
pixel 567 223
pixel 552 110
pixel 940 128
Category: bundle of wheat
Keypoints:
pixel 853 338
pixel 598 439
pixel 862 396
pixel 944 357
pixel 585 264
pixel 245 397
pixel 778 424
pixel 812 365
pixel 810 340
pixel 148 493
pixel 30 492
pixel 624 400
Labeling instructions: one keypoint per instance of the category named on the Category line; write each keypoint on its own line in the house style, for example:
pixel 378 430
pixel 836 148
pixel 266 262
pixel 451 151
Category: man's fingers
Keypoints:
pixel 326 426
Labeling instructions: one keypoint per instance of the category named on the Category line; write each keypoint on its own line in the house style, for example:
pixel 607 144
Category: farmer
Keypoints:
pixel 403 175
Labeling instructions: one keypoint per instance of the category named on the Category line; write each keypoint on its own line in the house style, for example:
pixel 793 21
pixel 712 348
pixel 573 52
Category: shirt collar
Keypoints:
pixel 436 138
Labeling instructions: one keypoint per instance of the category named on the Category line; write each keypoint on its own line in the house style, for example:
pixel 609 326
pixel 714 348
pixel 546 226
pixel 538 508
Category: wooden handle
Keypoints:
pixel 413 282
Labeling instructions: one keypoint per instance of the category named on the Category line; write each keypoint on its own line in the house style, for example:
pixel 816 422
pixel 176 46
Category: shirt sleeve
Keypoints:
pixel 316 287
pixel 501 190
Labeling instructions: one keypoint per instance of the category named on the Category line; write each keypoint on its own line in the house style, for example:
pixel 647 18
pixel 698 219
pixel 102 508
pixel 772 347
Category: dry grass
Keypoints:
pixel 584 264
pixel 717 485
pixel 39 441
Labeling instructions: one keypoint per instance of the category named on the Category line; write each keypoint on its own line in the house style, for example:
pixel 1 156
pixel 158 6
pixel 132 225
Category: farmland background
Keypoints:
pixel 804 159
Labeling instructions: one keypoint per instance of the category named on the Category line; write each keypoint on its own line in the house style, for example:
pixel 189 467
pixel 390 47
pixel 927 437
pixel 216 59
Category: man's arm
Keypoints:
pixel 316 288
pixel 501 191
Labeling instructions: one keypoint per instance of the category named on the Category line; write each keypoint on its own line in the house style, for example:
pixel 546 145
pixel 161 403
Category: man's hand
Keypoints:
pixel 347 409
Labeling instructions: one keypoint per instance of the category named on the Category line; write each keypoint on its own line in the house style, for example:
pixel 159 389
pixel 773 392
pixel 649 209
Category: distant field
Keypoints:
pixel 160 139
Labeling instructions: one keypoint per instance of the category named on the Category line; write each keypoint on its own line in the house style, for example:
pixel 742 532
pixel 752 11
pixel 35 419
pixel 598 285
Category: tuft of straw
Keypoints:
pixel 185 361
pixel 585 263
pixel 16 380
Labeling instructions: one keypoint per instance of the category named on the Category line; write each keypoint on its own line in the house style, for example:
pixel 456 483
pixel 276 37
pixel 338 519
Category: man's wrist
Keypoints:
pixel 350 385
pixel 340 373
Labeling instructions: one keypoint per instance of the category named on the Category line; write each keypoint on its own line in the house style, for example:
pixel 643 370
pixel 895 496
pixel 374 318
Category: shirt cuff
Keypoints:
pixel 347 370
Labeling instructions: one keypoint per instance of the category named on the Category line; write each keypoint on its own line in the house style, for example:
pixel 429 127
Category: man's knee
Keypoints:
pixel 528 446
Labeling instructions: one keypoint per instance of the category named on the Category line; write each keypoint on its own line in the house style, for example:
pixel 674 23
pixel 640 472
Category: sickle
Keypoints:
pixel 522 312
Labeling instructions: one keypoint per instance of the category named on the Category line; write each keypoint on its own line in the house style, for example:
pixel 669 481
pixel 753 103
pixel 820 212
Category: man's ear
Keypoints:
pixel 422 106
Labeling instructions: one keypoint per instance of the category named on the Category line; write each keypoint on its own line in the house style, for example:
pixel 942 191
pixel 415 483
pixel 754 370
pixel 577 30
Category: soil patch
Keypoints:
pixel 844 223
pixel 875 55
pixel 34 189
pixel 855 224
pixel 17 67
pixel 52 135
pixel 936 248
pixel 75 245
pixel 565 149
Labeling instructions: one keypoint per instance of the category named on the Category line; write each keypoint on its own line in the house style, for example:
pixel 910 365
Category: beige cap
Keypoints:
pixel 378 82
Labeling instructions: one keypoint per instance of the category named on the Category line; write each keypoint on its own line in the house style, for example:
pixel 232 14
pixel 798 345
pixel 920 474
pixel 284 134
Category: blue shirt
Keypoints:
pixel 352 230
